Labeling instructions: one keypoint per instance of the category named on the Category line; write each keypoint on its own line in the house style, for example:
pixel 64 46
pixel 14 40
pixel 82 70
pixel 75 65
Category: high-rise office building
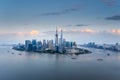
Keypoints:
pixel 44 46
pixel 28 45
pixel 61 39
pixel 34 42
pixel 64 43
pixel 50 45
pixel 56 38
pixel 39 45
pixel 34 45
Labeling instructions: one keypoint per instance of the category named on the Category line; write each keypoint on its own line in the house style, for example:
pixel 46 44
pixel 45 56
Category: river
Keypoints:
pixel 44 66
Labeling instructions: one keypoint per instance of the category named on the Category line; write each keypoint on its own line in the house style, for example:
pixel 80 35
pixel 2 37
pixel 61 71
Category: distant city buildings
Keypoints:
pixel 113 47
pixel 60 45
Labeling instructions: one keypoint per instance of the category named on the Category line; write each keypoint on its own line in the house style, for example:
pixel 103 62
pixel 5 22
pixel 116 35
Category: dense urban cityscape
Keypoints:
pixel 60 45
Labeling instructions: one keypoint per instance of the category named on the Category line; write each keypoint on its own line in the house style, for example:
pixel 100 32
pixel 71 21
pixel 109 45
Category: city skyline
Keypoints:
pixel 81 20
pixel 57 45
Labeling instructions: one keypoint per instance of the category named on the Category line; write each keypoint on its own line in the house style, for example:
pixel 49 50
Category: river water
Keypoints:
pixel 44 66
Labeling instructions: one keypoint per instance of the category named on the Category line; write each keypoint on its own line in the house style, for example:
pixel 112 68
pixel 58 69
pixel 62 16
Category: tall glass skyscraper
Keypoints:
pixel 56 38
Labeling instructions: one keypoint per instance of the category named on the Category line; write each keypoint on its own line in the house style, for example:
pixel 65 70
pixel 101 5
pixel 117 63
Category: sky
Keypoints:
pixel 81 20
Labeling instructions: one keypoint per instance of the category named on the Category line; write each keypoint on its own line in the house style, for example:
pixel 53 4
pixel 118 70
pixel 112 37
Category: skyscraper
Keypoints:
pixel 28 45
pixel 39 45
pixel 56 41
pixel 61 38
pixel 56 38
pixel 34 45
pixel 34 42
pixel 44 46
pixel 50 45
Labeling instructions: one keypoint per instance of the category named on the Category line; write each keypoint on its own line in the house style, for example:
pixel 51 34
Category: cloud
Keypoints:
pixel 115 31
pixel 80 35
pixel 16 37
pixel 77 25
pixel 34 32
pixel 87 31
pixel 115 17
pixel 80 25
pixel 26 24
pixel 51 13
pixel 88 35
pixel 28 33
pixel 65 11
pixel 109 2
pixel 2 34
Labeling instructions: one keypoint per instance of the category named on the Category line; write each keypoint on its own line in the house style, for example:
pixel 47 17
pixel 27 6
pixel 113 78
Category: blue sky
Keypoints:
pixel 84 20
